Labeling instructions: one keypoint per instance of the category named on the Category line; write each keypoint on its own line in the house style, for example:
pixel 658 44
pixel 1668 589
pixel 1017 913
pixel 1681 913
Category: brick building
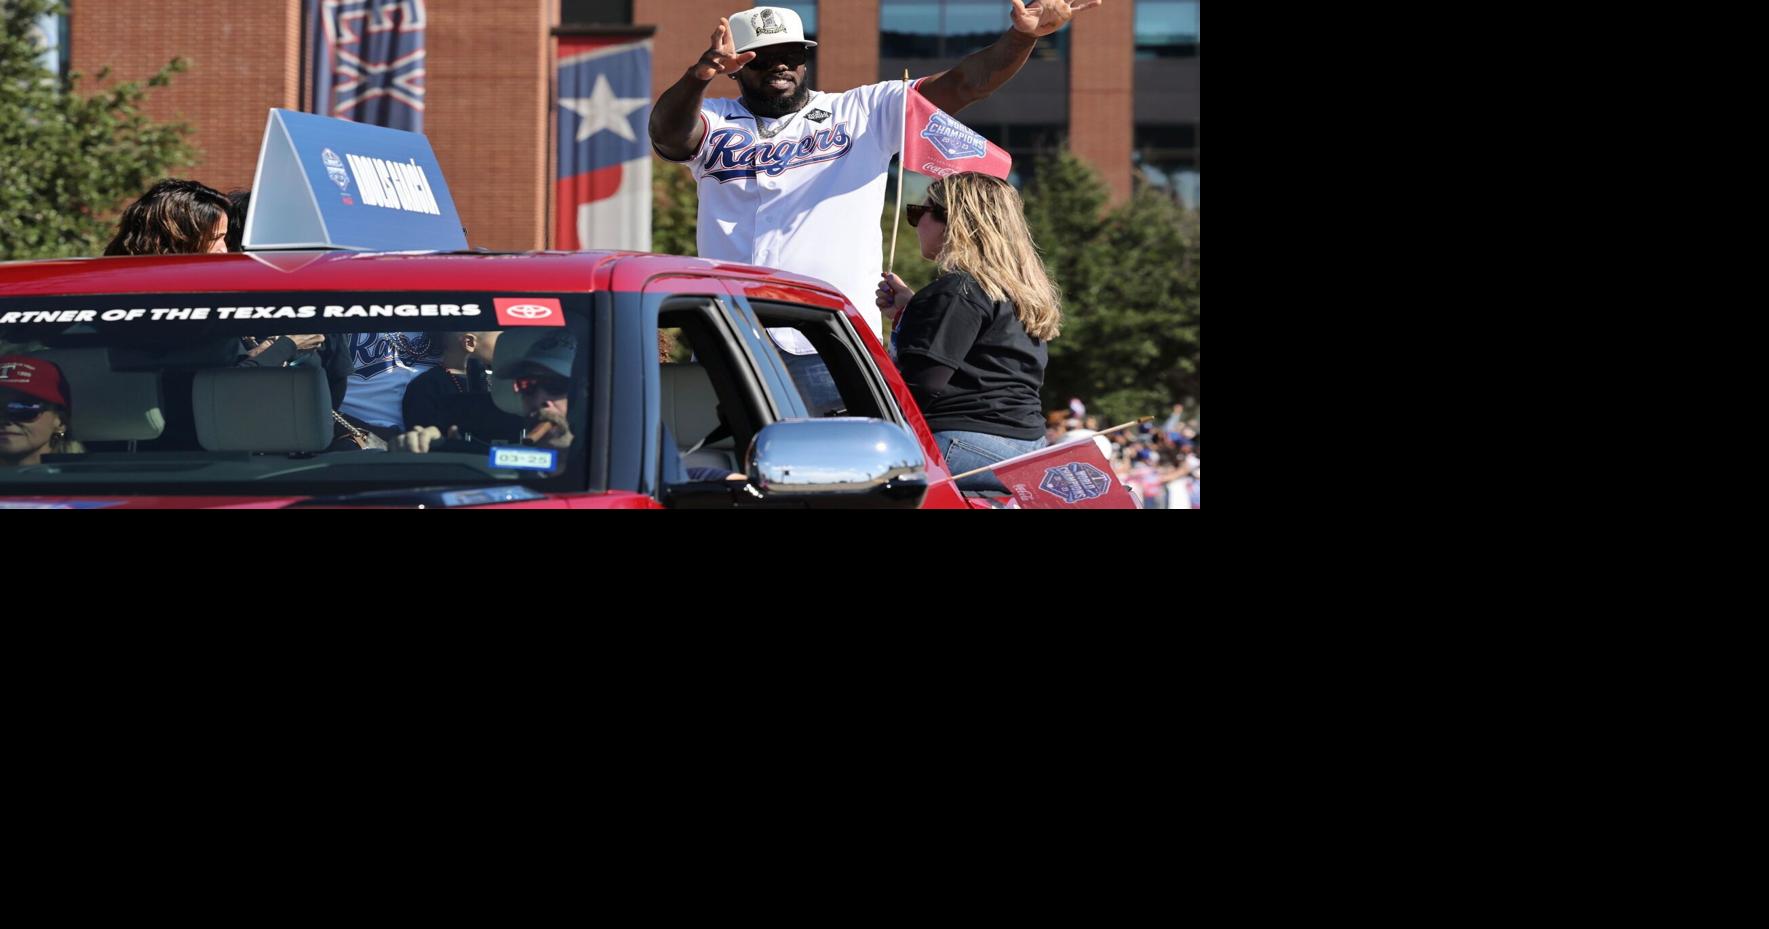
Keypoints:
pixel 1119 86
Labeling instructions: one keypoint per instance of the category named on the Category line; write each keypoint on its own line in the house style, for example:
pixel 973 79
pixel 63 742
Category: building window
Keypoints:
pixel 50 35
pixel 1166 28
pixel 950 29
pixel 1167 157
pixel 807 11
pixel 596 12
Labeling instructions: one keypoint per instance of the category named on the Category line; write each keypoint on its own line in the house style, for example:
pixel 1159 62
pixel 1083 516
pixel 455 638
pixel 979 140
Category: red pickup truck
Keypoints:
pixel 170 413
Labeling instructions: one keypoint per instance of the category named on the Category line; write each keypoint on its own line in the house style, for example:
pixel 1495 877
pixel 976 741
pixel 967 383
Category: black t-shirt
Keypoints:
pixel 436 399
pixel 997 368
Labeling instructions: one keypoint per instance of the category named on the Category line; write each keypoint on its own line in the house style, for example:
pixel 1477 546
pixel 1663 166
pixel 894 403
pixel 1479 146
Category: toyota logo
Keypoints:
pixel 529 311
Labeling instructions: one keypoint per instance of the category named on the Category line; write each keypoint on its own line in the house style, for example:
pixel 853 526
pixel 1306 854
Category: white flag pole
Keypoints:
pixel 902 153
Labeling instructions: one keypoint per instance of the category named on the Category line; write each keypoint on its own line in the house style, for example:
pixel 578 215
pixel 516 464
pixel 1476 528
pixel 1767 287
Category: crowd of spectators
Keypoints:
pixel 1157 460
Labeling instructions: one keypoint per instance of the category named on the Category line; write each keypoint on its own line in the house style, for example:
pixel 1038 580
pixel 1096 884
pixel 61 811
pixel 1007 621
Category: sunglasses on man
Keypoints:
pixel 25 411
pixel 792 57
pixel 917 211
pixel 557 386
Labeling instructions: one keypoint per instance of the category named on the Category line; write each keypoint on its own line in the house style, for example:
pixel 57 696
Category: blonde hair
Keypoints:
pixel 987 238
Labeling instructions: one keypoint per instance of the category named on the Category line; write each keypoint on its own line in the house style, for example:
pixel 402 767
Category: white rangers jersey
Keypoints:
pixel 806 199
pixel 385 363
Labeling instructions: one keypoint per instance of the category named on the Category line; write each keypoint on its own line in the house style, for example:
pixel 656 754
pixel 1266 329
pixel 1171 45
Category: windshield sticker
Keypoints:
pixel 310 311
pixel 490 495
pixel 528 311
pixel 523 458
pixel 58 504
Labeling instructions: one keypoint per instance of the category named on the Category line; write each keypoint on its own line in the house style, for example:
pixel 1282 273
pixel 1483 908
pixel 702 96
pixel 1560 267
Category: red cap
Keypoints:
pixel 34 377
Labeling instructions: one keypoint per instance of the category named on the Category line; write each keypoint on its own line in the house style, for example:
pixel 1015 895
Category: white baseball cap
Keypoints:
pixel 765 26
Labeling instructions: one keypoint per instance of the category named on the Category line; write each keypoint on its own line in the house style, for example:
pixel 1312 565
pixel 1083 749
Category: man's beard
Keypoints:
pixel 776 107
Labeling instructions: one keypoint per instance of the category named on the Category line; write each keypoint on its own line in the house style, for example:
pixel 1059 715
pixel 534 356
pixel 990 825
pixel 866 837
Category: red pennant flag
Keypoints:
pixel 937 145
pixel 1070 476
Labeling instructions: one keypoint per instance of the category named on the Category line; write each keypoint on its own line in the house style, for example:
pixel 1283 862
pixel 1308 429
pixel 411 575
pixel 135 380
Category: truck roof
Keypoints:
pixel 538 271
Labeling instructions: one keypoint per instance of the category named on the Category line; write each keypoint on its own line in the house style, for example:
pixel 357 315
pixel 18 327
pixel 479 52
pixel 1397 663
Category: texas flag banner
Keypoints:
pixel 1070 476
pixel 368 61
pixel 937 145
pixel 603 195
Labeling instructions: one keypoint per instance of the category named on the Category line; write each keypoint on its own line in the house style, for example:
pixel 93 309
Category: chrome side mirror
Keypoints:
pixel 838 462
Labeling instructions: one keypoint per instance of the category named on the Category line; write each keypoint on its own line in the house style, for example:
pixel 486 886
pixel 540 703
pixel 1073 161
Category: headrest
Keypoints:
pixel 263 409
pixel 689 404
pixel 108 405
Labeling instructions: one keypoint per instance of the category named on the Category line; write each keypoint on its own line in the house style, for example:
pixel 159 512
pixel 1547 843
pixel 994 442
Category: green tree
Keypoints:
pixel 70 162
pixel 1131 315
pixel 1066 209
pixel 674 202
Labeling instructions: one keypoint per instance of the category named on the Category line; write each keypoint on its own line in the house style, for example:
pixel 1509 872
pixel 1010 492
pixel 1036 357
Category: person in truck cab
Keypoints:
pixel 456 394
pixel 542 378
pixel 183 217
pixel 35 411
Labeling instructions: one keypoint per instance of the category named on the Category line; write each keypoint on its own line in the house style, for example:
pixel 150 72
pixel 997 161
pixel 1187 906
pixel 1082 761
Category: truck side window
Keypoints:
pixel 832 379
pixel 711 403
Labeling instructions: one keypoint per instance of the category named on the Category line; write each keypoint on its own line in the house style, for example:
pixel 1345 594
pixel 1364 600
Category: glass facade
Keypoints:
pixel 50 34
pixel 950 29
pixel 807 11
pixel 1167 157
pixel 597 12
pixel 1166 28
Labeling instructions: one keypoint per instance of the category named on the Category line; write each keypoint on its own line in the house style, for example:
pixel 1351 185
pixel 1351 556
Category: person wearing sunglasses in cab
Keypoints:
pixel 35 412
pixel 541 381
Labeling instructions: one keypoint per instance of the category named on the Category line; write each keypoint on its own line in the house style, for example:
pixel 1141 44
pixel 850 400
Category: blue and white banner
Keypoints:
pixel 604 187
pixel 367 61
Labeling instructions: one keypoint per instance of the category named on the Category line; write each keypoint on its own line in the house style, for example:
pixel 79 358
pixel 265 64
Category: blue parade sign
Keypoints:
pixel 332 183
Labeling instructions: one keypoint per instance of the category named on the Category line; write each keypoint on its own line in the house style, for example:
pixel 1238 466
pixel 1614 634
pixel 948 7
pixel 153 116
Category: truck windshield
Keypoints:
pixel 291 392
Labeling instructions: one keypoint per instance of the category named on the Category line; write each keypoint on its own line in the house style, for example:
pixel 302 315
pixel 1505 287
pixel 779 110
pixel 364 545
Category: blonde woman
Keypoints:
pixel 972 345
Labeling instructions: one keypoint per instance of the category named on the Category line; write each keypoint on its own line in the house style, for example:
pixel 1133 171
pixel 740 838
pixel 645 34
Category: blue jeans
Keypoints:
pixel 965 451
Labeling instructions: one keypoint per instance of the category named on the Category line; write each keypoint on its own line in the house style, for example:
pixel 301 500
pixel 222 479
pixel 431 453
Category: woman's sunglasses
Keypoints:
pixel 24 411
pixel 557 386
pixel 916 212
